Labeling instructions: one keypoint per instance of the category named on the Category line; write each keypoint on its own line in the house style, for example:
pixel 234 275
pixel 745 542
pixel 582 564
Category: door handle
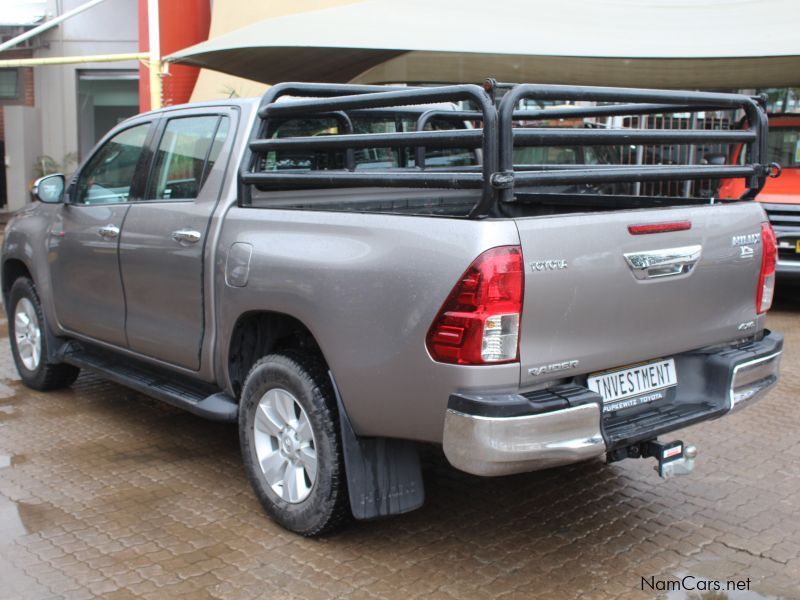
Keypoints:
pixel 663 263
pixel 186 236
pixel 108 231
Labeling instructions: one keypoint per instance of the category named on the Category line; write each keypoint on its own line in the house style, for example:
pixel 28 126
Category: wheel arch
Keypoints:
pixel 258 333
pixel 13 269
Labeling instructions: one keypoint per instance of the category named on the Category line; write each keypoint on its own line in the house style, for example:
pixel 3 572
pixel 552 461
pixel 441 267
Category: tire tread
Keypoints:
pixel 314 370
pixel 50 376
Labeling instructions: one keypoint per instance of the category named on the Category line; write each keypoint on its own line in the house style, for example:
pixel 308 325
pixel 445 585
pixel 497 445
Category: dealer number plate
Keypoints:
pixel 634 381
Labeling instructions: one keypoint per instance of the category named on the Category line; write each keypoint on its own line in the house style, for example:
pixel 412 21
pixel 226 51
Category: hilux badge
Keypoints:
pixel 747 239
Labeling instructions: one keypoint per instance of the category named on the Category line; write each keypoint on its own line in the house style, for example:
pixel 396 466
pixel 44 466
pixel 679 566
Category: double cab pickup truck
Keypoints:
pixel 349 271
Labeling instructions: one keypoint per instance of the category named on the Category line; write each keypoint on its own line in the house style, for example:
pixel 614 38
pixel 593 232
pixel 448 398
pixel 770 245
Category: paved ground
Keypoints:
pixel 104 492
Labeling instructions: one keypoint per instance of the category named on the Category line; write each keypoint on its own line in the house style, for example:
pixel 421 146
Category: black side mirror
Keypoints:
pixel 49 189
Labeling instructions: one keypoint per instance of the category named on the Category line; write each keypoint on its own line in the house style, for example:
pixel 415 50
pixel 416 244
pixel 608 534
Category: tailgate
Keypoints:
pixel 586 310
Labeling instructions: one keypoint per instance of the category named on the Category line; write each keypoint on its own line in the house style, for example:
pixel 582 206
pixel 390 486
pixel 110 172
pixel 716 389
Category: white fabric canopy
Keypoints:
pixel 700 44
pixel 22 13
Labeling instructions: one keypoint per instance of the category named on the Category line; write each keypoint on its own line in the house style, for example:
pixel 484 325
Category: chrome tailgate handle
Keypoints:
pixel 108 231
pixel 186 236
pixel 668 262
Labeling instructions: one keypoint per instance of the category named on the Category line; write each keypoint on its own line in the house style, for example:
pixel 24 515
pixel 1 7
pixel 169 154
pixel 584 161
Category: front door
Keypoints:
pixel 83 241
pixel 163 240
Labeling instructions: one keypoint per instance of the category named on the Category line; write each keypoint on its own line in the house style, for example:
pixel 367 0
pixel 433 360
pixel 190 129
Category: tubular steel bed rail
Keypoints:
pixel 496 175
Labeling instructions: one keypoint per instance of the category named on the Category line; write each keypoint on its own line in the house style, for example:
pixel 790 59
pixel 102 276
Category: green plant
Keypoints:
pixel 47 165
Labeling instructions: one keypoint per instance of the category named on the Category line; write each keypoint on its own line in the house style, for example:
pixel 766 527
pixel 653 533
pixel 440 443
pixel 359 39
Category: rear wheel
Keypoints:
pixel 291 447
pixel 26 329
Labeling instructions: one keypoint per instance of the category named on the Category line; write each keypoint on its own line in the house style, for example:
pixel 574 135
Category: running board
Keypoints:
pixel 167 388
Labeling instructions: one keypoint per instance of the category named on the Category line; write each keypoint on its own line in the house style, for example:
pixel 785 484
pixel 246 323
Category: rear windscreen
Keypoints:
pixel 371 158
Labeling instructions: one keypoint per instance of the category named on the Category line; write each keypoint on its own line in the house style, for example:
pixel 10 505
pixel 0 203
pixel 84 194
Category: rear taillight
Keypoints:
pixel 769 258
pixel 479 321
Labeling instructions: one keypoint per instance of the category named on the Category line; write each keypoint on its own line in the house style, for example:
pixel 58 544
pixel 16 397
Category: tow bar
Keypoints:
pixel 674 458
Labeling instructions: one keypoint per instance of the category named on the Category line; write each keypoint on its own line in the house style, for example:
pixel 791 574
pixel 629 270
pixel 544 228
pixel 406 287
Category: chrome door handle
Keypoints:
pixel 186 236
pixel 663 263
pixel 108 231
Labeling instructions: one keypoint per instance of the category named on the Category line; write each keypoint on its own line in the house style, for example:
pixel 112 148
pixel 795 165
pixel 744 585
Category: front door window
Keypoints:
pixel 108 176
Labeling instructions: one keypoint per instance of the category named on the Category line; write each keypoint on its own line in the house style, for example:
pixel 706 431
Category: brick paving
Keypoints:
pixel 104 492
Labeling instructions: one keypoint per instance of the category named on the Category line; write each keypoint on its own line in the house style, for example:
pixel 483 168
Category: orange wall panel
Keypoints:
pixel 182 23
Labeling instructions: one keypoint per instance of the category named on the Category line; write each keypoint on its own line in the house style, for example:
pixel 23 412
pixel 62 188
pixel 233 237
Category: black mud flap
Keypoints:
pixel 384 476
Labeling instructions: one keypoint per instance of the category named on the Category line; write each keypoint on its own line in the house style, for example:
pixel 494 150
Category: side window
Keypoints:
pixel 108 176
pixel 187 152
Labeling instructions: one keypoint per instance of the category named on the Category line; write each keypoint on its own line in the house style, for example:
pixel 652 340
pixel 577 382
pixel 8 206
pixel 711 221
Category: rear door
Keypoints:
pixel 588 308
pixel 164 237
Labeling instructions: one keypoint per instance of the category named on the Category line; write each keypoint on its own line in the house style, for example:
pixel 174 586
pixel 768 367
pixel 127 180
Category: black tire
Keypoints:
pixel 46 375
pixel 327 505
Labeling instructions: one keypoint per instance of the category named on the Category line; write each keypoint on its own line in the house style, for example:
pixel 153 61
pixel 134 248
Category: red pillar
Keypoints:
pixel 183 23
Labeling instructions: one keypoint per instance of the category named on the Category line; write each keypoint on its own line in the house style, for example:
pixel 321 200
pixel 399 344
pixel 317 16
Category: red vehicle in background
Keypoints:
pixel 781 195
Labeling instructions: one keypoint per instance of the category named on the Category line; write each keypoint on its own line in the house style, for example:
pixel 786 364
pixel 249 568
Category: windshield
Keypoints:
pixel 783 146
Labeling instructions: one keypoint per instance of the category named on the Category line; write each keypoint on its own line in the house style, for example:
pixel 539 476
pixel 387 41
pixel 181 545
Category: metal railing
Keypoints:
pixel 497 177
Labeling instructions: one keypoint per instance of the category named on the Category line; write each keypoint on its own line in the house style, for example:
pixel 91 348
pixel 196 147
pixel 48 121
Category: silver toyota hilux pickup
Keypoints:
pixel 349 271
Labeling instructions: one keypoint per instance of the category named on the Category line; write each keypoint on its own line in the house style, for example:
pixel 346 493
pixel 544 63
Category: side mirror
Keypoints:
pixel 49 189
pixel 714 158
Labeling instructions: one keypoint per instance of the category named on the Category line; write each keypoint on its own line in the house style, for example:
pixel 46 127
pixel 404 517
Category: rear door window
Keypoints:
pixel 186 153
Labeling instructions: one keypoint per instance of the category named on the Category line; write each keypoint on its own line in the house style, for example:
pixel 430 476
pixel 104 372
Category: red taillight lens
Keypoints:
pixel 769 259
pixel 479 321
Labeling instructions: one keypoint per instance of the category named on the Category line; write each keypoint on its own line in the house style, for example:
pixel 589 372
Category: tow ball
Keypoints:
pixel 674 458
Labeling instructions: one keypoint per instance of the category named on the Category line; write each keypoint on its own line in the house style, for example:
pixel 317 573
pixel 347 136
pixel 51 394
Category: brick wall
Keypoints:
pixel 26 90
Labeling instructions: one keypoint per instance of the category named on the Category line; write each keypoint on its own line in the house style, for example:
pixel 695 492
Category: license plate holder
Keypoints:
pixel 633 385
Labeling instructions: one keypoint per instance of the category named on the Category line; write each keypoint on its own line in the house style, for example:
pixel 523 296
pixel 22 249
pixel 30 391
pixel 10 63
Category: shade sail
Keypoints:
pixel 702 44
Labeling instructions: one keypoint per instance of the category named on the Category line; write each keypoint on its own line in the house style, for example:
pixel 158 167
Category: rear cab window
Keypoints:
pixel 371 158
pixel 386 200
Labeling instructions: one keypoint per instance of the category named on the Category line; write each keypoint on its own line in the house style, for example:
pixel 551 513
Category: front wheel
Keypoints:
pixel 26 329
pixel 290 442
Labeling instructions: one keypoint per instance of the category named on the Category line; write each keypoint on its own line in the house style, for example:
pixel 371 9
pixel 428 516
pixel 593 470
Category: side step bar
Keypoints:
pixel 215 406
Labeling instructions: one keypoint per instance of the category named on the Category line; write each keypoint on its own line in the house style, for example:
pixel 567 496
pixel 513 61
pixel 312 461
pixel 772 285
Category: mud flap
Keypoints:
pixel 384 476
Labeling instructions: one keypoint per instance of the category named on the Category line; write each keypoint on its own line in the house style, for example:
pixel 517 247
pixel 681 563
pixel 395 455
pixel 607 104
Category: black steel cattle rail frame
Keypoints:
pixel 497 175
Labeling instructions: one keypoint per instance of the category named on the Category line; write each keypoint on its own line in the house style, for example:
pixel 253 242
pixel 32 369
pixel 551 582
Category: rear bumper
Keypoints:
pixel 515 433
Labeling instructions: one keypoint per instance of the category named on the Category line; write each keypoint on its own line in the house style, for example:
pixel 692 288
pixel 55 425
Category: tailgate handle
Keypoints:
pixel 668 262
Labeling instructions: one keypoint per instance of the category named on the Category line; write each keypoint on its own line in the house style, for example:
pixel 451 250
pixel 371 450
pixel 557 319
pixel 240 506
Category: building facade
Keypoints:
pixel 53 115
